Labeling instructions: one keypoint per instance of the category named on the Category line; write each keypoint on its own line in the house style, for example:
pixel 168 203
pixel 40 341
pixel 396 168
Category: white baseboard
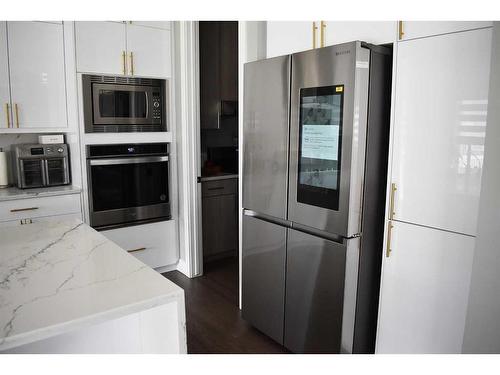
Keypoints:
pixel 170 267
pixel 182 267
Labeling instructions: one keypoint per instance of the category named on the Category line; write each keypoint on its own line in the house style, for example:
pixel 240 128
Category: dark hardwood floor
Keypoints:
pixel 214 323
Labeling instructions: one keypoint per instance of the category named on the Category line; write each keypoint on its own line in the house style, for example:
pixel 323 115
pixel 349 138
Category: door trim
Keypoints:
pixel 187 90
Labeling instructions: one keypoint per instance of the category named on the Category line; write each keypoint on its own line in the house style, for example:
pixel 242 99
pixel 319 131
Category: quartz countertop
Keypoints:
pixel 60 275
pixel 12 193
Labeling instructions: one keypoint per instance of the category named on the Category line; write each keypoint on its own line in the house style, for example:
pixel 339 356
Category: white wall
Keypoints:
pixel 482 329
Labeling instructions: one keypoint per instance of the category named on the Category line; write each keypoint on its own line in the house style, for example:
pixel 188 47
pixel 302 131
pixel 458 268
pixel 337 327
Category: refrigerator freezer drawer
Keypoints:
pixel 263 276
pixel 314 294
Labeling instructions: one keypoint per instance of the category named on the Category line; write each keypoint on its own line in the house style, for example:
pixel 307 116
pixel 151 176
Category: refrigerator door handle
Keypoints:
pixel 268 218
pixel 299 227
pixel 322 234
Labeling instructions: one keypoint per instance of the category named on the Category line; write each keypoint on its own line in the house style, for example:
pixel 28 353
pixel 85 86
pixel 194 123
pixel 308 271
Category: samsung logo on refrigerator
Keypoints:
pixel 342 53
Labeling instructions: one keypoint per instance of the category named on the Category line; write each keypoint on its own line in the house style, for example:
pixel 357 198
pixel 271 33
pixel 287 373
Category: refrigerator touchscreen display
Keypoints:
pixel 320 146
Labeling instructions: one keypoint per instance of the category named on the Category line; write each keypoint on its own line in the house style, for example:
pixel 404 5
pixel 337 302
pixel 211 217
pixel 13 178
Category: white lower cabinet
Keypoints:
pixel 424 291
pixel 154 244
pixel 31 210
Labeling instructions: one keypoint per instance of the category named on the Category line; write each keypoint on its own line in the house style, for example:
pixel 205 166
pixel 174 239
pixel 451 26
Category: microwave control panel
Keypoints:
pixel 156 106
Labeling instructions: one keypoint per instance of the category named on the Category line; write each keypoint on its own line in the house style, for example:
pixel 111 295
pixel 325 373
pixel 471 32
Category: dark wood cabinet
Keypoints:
pixel 220 217
pixel 218 43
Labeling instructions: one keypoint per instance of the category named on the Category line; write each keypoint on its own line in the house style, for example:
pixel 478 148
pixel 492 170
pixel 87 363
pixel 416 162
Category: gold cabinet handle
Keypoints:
pixel 131 63
pixel 392 212
pixel 24 209
pixel 389 238
pixel 124 62
pixel 16 110
pixel 7 114
pixel 322 33
pixel 138 249
pixel 314 33
pixel 400 30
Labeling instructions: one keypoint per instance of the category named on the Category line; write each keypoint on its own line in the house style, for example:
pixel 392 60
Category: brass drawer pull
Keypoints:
pixel 131 63
pixel 16 110
pixel 24 209
pixel 322 34
pixel 401 32
pixel 7 113
pixel 389 238
pixel 314 28
pixel 138 249
pixel 392 212
pixel 124 62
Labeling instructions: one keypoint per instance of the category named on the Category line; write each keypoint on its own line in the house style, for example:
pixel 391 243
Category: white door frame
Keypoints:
pixel 251 46
pixel 188 144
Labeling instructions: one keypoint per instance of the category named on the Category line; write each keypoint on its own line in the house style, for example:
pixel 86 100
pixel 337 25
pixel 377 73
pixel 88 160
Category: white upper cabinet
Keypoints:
pixel 123 48
pixel 5 118
pixel 419 29
pixel 285 37
pixel 424 291
pixel 148 51
pixel 441 97
pixel 374 32
pixel 100 47
pixel 37 74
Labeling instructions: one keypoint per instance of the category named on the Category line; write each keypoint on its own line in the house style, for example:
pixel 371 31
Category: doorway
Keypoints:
pixel 218 78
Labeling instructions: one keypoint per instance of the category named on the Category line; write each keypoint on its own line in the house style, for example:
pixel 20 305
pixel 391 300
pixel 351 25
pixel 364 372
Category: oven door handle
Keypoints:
pixel 129 160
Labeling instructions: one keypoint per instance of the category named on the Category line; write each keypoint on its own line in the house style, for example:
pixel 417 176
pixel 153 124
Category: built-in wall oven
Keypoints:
pixel 128 184
pixel 124 104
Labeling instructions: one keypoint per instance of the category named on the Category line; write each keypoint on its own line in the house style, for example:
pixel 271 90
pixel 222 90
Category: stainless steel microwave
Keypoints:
pixel 124 104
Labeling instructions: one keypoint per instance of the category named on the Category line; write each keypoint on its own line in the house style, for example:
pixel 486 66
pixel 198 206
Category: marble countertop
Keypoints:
pixel 12 193
pixel 60 275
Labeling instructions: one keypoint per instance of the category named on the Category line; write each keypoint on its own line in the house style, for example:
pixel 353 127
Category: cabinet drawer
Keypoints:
pixel 219 187
pixel 35 220
pixel 40 207
pixel 154 244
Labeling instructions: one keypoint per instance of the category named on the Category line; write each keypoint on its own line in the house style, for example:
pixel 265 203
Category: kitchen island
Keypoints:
pixel 65 288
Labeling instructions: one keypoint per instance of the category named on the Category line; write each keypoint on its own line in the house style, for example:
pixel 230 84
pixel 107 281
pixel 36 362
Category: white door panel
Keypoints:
pixel 151 51
pixel 424 291
pixel 100 47
pixel 285 37
pixel 375 32
pixel 439 128
pixel 4 78
pixel 419 29
pixel 37 74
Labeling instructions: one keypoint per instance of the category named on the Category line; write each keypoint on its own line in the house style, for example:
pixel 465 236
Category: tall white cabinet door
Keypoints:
pixel 284 37
pixel 100 46
pixel 4 78
pixel 151 51
pixel 419 29
pixel 375 32
pixel 424 291
pixel 439 129
pixel 37 74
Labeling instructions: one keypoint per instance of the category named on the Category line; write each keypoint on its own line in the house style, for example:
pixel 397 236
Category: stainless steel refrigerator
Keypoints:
pixel 315 144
